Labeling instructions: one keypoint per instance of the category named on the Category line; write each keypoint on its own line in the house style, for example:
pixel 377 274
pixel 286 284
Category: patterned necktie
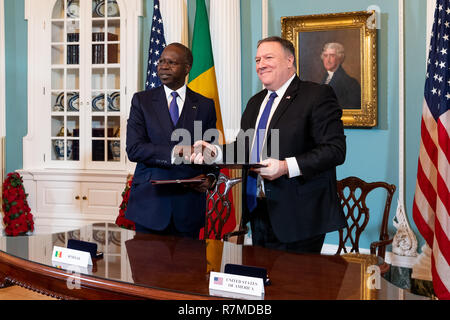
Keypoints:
pixel 173 108
pixel 256 152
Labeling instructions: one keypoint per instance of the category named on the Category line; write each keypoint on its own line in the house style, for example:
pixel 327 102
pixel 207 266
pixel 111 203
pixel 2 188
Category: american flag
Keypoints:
pixel 157 45
pixel 218 280
pixel 431 208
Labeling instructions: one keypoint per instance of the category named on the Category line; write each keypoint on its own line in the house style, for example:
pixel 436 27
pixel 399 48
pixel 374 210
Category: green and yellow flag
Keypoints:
pixel 202 78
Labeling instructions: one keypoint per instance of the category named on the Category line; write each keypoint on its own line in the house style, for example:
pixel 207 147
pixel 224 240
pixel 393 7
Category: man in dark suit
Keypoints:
pixel 347 89
pixel 151 137
pixel 292 202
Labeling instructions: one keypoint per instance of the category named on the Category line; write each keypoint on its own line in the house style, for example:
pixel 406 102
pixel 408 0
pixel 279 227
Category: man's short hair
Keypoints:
pixel 186 51
pixel 340 51
pixel 286 44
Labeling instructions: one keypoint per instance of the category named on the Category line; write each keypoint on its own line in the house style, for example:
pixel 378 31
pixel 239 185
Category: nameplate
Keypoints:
pixel 235 286
pixel 70 268
pixel 71 257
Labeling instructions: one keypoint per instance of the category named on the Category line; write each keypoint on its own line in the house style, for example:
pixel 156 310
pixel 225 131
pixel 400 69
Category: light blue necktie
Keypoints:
pixel 173 108
pixel 256 151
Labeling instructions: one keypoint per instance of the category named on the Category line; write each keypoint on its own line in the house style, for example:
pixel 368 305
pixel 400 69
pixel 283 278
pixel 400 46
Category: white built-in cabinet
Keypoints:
pixel 82 73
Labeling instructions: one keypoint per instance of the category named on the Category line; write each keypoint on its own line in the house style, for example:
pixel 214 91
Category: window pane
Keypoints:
pixel 73 150
pixel 98 102
pixel 58 10
pixel 73 9
pixel 114 102
pixel 98 150
pixel 98 127
pixel 114 150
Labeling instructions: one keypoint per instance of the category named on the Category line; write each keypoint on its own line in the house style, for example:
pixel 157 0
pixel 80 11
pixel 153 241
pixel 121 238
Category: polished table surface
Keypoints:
pixel 165 267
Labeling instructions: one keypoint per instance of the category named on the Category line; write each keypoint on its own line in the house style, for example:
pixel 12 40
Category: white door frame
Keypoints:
pixel 2 94
pixel 2 70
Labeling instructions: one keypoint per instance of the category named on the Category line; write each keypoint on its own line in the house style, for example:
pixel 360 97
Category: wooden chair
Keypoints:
pixel 219 209
pixel 353 193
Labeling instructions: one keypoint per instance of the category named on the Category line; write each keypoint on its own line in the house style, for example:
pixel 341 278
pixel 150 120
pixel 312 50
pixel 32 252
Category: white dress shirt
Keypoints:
pixel 293 168
pixel 180 102
pixel 330 76
pixel 180 98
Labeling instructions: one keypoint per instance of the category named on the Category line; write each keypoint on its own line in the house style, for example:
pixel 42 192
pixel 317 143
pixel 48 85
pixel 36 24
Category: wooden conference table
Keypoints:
pixel 138 266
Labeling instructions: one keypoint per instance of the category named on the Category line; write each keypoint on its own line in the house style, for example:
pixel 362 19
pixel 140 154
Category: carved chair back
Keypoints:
pixel 353 194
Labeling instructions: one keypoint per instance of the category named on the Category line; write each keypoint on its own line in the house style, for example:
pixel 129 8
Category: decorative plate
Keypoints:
pixel 113 8
pixel 114 102
pixel 98 104
pixel 73 101
pixel 59 104
pixel 73 9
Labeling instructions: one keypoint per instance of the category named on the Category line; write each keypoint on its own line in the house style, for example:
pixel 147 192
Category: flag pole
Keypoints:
pixel 264 18
pixel 399 245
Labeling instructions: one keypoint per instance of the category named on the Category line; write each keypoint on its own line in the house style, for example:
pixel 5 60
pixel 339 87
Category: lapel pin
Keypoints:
pixel 194 107
pixel 288 97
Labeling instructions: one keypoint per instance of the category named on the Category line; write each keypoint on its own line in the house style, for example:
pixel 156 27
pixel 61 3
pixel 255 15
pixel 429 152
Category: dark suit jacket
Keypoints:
pixel 149 132
pixel 310 129
pixel 347 89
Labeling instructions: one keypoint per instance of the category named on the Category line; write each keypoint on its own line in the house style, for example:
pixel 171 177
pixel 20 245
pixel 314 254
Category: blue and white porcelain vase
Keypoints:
pixel 115 150
pixel 58 146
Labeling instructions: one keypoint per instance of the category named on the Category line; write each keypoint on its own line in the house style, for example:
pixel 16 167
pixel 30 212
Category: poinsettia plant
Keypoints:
pixel 17 215
pixel 121 221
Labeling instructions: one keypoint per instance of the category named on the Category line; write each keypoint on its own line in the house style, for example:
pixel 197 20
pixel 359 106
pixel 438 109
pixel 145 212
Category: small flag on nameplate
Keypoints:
pixel 58 254
pixel 218 280
pixel 157 45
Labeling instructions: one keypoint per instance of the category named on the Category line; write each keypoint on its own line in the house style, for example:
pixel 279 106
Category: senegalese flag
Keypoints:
pixel 202 79
pixel 58 254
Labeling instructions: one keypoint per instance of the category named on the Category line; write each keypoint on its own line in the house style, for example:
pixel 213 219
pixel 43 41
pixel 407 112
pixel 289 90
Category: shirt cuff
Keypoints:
pixel 219 154
pixel 293 168
pixel 172 156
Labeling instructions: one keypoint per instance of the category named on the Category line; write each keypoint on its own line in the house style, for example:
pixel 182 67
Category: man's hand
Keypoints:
pixel 203 153
pixel 273 170
pixel 205 185
pixel 181 154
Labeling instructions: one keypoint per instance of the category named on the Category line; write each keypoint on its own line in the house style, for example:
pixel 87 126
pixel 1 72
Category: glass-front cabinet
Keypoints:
pixel 83 68
pixel 87 83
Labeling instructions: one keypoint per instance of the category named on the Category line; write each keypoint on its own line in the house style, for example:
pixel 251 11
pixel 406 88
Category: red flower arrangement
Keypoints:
pixel 121 221
pixel 17 217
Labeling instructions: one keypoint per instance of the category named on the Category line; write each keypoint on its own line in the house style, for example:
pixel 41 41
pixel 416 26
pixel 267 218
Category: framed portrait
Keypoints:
pixel 339 49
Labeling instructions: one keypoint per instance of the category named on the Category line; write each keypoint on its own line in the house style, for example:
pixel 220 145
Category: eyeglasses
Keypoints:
pixel 170 63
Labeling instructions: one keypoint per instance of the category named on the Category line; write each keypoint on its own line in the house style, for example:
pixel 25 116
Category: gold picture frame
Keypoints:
pixel 356 32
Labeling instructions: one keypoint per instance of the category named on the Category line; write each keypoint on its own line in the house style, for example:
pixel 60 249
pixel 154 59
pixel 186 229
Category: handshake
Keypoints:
pixel 199 153
pixel 205 153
